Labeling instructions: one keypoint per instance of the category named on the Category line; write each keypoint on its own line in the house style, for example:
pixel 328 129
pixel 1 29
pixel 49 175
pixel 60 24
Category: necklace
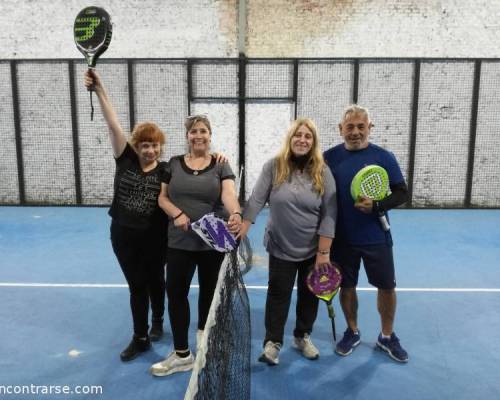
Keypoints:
pixel 197 166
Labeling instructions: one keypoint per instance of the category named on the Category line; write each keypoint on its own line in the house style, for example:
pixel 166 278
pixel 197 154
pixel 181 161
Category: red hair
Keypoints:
pixel 147 132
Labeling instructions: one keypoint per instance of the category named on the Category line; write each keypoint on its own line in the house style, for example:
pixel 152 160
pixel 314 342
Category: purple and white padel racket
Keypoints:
pixel 324 282
pixel 213 230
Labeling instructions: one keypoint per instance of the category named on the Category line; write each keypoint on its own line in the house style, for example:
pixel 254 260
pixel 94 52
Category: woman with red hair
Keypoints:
pixel 138 226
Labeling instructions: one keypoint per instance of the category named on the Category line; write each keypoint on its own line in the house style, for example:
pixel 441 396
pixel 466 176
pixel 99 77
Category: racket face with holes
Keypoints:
pixel 371 181
pixel 92 33
pixel 324 281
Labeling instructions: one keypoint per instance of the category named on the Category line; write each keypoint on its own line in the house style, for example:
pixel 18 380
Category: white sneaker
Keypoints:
pixel 306 346
pixel 271 353
pixel 199 335
pixel 172 364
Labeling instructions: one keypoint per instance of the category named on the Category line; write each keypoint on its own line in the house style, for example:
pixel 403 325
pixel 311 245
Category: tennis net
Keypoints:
pixel 222 366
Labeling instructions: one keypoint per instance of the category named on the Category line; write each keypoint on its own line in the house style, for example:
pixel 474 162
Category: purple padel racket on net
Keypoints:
pixel 324 282
pixel 213 230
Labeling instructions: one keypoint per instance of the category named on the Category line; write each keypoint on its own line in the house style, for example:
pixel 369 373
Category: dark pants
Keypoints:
pixel 142 256
pixel 282 275
pixel 180 271
pixel 377 260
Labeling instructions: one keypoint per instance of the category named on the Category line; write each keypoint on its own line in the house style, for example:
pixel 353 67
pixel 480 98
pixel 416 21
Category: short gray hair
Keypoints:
pixel 355 109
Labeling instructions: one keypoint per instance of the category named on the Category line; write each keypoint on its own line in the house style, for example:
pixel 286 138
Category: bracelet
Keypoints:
pixel 324 252
pixel 182 212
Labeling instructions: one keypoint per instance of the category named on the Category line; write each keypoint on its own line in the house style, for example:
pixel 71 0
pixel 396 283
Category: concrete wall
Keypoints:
pixel 373 28
pixel 274 28
pixel 141 29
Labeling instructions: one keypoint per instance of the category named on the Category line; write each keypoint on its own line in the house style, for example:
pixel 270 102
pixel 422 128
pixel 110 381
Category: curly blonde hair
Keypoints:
pixel 315 164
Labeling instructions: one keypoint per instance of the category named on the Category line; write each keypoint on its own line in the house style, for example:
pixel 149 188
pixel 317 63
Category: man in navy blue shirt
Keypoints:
pixel 359 232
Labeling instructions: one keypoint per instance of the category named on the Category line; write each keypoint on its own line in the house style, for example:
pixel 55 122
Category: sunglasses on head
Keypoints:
pixel 197 116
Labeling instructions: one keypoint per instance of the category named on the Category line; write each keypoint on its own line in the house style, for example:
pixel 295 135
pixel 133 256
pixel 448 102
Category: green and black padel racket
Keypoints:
pixel 92 32
pixel 372 181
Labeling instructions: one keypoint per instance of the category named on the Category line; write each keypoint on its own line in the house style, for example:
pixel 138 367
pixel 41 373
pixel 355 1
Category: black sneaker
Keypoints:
pixel 156 331
pixel 393 348
pixel 348 342
pixel 135 348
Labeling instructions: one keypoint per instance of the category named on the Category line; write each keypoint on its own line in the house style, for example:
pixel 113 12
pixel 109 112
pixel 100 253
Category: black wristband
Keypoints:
pixel 182 212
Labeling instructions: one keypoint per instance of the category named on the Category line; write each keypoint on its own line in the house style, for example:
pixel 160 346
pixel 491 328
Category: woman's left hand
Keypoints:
pixel 321 259
pixel 234 223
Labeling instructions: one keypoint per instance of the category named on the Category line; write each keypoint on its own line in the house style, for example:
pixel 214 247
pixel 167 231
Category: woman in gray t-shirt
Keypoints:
pixel 300 190
pixel 193 185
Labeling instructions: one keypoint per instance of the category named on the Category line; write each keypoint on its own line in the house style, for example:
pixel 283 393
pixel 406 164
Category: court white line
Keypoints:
pixel 63 285
pixel 256 287
pixel 371 289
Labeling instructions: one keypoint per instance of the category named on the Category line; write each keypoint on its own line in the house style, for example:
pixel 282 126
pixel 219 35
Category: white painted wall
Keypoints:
pixel 274 28
pixel 141 29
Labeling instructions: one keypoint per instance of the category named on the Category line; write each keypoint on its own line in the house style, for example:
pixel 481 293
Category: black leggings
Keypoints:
pixel 180 271
pixel 142 256
pixel 282 275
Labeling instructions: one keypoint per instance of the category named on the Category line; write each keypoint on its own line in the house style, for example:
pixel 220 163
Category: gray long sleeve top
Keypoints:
pixel 298 214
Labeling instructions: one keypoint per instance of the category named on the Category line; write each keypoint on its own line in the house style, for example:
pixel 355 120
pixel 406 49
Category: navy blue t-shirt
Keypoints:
pixel 353 226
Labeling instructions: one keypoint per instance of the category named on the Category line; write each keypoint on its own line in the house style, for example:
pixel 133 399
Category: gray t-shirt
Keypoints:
pixel 196 193
pixel 298 214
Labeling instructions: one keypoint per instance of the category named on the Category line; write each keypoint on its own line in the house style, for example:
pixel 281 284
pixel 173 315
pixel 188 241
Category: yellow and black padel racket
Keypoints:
pixel 92 33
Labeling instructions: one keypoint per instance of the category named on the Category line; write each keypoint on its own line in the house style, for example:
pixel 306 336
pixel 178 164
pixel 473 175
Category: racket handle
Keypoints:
pixel 331 314
pixel 383 221
pixel 91 88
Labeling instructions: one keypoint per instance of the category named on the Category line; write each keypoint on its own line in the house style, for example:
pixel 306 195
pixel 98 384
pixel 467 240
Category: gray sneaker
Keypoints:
pixel 271 353
pixel 172 364
pixel 306 346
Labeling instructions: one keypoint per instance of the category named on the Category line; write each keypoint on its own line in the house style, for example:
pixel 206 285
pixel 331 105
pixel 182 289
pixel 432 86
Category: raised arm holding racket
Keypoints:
pixel 369 183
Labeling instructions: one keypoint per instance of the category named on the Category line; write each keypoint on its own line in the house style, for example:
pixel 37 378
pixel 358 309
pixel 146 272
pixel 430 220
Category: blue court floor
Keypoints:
pixel 64 315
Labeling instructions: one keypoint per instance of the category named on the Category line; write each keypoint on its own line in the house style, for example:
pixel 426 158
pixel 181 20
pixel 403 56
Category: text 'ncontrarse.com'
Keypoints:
pixel 50 389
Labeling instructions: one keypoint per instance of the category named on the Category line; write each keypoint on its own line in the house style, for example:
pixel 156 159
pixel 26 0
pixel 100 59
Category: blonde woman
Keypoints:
pixel 300 190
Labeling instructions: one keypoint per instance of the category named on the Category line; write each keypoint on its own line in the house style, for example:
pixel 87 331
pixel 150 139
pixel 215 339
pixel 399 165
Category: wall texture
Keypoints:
pixel 274 28
pixel 141 28
pixel 373 28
